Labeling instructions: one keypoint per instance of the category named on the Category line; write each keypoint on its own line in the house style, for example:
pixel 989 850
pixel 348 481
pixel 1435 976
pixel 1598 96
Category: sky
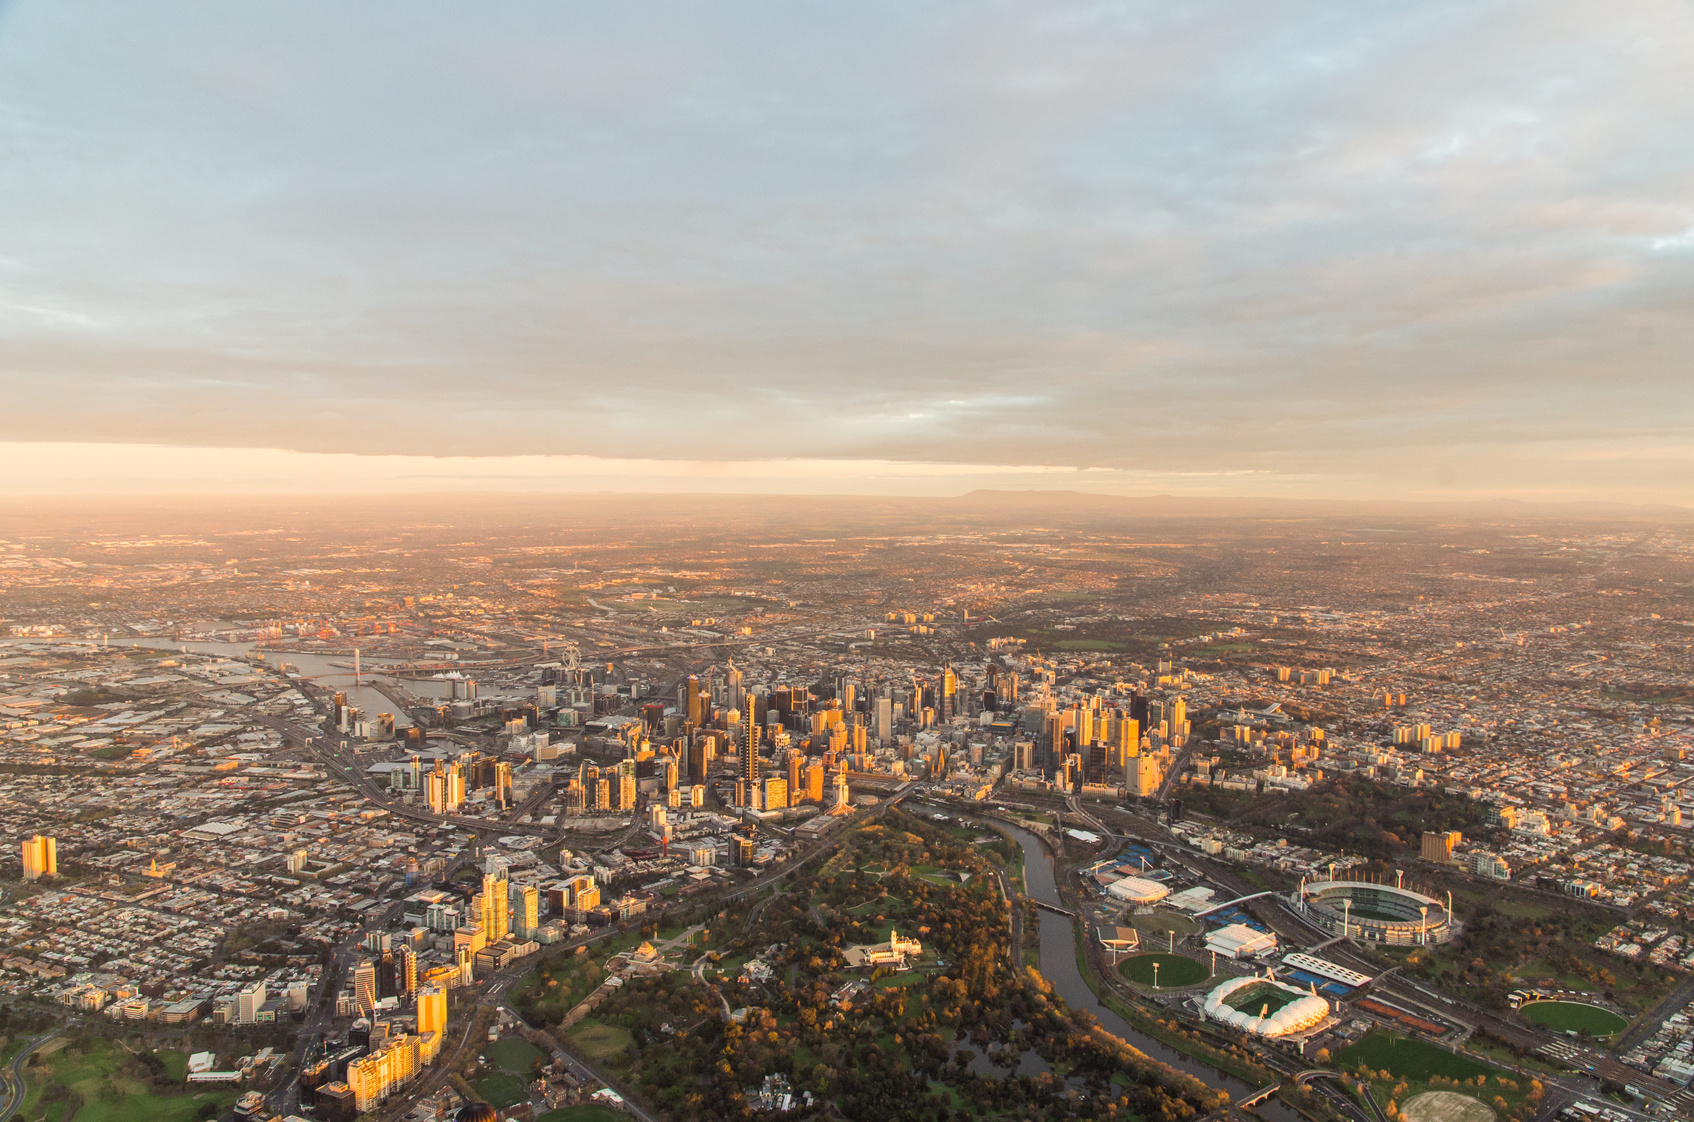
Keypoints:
pixel 1426 251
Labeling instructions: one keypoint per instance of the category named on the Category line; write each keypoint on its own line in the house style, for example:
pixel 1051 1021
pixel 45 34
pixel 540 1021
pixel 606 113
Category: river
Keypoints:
pixel 1058 966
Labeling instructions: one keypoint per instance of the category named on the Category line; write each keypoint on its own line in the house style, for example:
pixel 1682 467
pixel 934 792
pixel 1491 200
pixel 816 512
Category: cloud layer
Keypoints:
pixel 1401 248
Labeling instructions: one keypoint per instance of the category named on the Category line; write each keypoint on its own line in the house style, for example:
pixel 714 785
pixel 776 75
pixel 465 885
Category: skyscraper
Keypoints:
pixel 750 750
pixel 364 987
pixel 529 911
pixel 495 891
pixel 40 857
pixel 691 700
pixel 432 1018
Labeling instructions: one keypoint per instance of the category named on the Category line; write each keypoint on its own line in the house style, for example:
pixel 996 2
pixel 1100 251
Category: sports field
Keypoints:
pixel 1405 1058
pixel 513 1053
pixel 1446 1106
pixel 502 1088
pixel 1261 1000
pixel 601 1042
pixel 1574 1016
pixel 1174 970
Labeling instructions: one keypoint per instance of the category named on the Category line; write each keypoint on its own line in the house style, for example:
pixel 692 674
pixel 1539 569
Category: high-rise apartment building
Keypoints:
pixel 248 1002
pixel 432 1018
pixel 41 857
pixel 364 987
pixel 750 750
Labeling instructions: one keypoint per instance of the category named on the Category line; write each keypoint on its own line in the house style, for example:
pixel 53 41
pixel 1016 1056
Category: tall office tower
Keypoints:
pixel 364 987
pixel 503 783
pixel 1084 727
pixel 697 759
pixel 691 700
pixel 750 750
pixel 414 766
pixel 1097 755
pixel 795 791
pixel 885 720
pixel 848 696
pixel 672 774
pixel 432 1012
pixel 861 738
pixel 1178 714
pixel 602 794
pixel 495 892
pixel 776 793
pixel 736 695
pixel 949 687
pixel 41 857
pixel 1155 715
pixel 626 792
pixel 435 790
pixel 529 911
pixel 814 782
pixel 1129 737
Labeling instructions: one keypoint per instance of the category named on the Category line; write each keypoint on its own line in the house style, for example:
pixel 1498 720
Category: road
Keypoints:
pixel 14 1078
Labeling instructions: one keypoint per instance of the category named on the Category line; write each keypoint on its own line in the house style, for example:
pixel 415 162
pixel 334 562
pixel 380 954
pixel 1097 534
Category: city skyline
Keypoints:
pixel 1427 253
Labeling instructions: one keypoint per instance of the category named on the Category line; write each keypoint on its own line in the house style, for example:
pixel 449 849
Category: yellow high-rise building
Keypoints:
pixel 776 793
pixel 495 905
pixel 432 1022
pixel 374 1076
pixel 41 857
pixel 814 781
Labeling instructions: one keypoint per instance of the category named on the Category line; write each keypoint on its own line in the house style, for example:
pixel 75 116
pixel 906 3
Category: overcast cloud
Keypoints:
pixel 1394 247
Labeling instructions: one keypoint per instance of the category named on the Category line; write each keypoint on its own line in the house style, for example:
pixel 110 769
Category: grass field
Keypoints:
pixel 513 1053
pixel 1408 1059
pixel 1446 1106
pixel 601 1042
pixel 110 1095
pixel 500 1088
pixel 1260 1000
pixel 1174 970
pixel 1159 923
pixel 584 1112
pixel 1574 1016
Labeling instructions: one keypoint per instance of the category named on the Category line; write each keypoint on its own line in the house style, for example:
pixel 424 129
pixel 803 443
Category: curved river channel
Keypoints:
pixel 1058 966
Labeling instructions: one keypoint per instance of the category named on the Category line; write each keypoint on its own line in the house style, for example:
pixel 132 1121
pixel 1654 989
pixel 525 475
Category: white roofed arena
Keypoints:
pixel 1265 1007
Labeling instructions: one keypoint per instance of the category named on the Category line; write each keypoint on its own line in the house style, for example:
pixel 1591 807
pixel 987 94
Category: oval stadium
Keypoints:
pixel 1379 913
pixel 1264 1006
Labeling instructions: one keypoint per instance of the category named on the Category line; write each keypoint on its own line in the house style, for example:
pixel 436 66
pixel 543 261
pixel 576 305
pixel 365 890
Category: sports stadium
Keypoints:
pixel 1378 913
pixel 1264 1006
